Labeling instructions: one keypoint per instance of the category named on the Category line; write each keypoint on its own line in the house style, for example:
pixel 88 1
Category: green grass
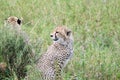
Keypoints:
pixel 95 25
pixel 15 53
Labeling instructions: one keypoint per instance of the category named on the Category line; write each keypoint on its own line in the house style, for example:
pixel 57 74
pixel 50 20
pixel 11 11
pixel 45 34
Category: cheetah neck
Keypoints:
pixel 68 44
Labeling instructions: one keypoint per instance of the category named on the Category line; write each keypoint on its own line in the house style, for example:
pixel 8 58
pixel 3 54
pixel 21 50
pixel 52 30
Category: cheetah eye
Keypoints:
pixel 57 32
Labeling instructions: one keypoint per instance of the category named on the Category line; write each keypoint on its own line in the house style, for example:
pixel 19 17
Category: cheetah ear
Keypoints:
pixel 68 33
pixel 19 21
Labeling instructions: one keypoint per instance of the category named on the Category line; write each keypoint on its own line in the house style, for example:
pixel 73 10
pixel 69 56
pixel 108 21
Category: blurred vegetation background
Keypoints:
pixel 95 25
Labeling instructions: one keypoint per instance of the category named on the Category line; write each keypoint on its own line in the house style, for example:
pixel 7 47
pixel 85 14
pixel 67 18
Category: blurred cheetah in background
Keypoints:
pixel 14 24
pixel 58 54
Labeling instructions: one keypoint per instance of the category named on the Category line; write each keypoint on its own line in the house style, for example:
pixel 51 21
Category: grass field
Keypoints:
pixel 95 25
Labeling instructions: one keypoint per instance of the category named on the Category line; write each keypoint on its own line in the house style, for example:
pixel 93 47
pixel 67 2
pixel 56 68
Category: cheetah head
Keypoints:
pixel 13 22
pixel 61 35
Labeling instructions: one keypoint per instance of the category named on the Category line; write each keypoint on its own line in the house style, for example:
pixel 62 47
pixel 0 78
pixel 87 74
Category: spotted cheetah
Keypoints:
pixel 14 24
pixel 58 54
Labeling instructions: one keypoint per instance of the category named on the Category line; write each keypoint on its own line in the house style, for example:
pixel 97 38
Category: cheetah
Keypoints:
pixel 14 24
pixel 58 54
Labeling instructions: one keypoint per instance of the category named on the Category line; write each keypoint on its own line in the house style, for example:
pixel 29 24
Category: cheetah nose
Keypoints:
pixel 51 35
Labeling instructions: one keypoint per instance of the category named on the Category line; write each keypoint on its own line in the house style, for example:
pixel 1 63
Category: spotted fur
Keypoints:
pixel 58 54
